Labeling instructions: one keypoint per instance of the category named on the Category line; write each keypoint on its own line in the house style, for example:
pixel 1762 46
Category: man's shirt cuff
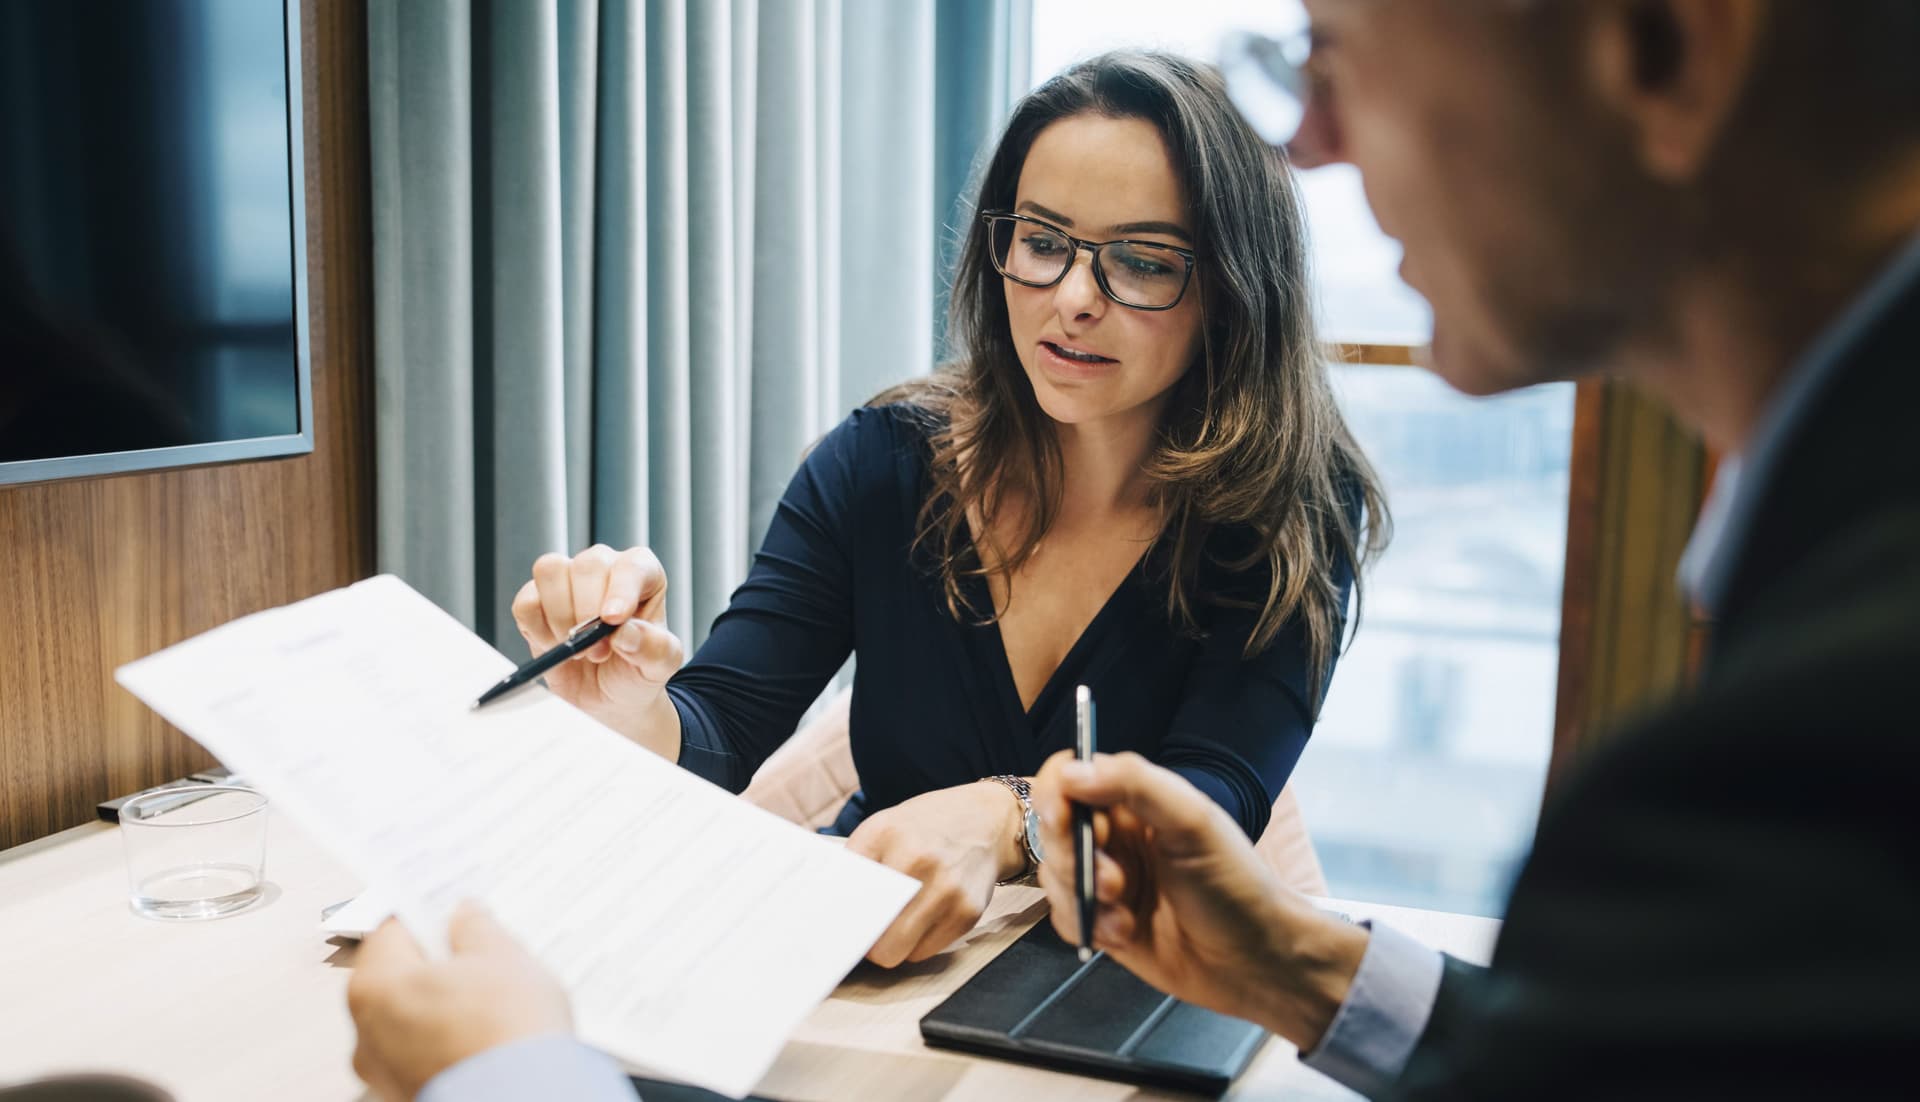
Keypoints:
pixel 552 1065
pixel 1374 1031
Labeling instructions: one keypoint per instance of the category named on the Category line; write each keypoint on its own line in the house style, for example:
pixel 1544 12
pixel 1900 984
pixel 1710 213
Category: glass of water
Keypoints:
pixel 197 851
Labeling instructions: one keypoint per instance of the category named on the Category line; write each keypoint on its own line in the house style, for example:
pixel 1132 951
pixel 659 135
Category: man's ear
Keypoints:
pixel 1674 72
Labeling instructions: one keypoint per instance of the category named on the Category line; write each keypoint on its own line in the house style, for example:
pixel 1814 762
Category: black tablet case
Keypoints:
pixel 1036 1003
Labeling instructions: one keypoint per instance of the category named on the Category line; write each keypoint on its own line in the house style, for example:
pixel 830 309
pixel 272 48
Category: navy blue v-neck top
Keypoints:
pixel 934 702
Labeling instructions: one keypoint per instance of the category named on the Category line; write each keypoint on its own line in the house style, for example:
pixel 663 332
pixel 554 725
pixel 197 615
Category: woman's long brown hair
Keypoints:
pixel 1251 438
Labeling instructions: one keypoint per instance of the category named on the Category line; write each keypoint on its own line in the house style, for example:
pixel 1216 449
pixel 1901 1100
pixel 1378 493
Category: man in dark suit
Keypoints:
pixel 1717 201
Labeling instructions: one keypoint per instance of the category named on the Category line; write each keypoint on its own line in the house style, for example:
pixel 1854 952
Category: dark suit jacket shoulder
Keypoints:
pixel 1723 900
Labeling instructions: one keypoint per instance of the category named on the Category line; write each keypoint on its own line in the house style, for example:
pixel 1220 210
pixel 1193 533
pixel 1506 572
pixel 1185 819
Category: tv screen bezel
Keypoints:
pixel 24 471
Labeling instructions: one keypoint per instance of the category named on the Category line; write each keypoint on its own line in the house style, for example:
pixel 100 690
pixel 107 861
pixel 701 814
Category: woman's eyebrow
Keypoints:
pixel 1049 215
pixel 1169 228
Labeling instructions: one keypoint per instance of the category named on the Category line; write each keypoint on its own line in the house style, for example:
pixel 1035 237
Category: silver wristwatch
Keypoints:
pixel 1029 828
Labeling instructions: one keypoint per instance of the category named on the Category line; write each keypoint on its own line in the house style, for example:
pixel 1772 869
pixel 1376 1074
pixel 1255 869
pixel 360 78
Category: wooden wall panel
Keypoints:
pixel 1627 635
pixel 95 573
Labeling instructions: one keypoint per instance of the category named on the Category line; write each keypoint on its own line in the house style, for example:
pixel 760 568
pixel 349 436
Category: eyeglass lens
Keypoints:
pixel 1265 81
pixel 1135 274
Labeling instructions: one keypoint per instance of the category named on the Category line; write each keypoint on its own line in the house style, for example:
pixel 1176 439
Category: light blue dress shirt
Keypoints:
pixel 1367 1044
pixel 553 1065
pixel 1374 1032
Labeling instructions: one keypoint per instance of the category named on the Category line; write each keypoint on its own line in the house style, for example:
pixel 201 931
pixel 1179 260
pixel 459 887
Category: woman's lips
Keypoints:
pixel 1055 359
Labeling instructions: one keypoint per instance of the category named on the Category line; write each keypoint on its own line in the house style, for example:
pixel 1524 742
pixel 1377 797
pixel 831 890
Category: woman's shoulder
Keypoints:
pixel 888 432
pixel 874 464
pixel 1243 554
pixel 907 420
pixel 879 435
pixel 1238 564
pixel 1234 567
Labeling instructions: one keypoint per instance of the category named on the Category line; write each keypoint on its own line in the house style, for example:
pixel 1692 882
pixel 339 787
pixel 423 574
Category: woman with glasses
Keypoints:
pixel 1132 477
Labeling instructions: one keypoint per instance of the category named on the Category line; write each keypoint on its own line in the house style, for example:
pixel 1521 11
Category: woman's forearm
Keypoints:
pixel 658 729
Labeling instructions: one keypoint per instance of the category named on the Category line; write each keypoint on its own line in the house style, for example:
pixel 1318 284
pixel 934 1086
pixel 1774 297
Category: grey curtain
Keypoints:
pixel 631 258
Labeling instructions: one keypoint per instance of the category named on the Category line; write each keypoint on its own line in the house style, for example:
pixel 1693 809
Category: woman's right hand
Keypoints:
pixel 621 682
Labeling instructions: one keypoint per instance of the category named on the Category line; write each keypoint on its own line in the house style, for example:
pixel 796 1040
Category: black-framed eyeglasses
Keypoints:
pixel 1267 79
pixel 1142 275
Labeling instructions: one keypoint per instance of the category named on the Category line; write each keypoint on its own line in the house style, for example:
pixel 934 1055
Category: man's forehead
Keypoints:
pixel 1350 9
pixel 1468 30
pixel 1332 12
pixel 1338 22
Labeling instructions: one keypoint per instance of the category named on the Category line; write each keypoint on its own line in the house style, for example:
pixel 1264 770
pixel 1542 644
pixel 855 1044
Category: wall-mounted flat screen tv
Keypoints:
pixel 152 236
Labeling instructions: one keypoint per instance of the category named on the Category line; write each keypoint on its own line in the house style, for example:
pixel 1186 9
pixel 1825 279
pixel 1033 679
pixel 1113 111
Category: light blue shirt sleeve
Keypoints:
pixel 553 1065
pixel 1366 1047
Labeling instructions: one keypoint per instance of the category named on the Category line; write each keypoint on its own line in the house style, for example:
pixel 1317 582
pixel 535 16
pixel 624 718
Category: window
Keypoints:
pixel 1423 780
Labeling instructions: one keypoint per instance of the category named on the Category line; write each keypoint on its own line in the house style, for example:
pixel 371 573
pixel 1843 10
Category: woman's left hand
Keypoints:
pixel 958 842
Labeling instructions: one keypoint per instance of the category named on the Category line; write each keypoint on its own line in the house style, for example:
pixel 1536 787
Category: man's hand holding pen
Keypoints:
pixel 1184 902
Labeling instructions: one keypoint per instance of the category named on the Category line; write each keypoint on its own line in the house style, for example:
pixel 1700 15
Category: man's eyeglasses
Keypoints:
pixel 1267 80
pixel 1144 275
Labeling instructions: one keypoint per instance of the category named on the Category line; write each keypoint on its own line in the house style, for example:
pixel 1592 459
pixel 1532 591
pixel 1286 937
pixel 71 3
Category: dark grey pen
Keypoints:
pixel 581 639
pixel 1083 746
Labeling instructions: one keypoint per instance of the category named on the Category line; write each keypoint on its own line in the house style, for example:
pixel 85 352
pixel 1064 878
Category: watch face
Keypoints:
pixel 1033 836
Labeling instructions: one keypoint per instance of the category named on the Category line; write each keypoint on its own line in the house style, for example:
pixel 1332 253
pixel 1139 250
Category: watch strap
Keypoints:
pixel 1022 791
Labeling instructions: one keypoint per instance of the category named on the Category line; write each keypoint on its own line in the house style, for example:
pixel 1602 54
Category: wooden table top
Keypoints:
pixel 254 1006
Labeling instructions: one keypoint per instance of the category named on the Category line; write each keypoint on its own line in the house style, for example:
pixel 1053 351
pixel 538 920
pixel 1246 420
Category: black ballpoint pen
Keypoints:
pixel 1083 747
pixel 581 639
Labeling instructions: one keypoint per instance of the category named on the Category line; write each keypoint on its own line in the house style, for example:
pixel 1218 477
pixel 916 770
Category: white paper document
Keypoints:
pixel 693 930
pixel 356 918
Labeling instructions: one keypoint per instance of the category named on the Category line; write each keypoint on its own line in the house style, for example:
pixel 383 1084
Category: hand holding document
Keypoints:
pixel 693 931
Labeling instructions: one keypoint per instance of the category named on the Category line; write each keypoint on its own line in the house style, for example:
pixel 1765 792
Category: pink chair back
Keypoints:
pixel 807 780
